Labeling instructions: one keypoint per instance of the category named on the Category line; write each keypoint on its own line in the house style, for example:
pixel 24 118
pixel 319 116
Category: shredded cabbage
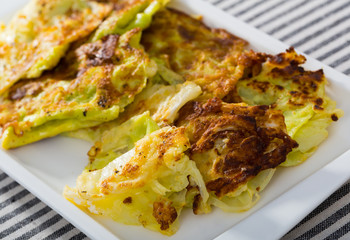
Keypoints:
pixel 304 121
pixel 145 186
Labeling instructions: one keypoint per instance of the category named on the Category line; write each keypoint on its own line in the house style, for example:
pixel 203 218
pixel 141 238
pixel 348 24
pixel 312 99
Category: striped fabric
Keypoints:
pixel 320 28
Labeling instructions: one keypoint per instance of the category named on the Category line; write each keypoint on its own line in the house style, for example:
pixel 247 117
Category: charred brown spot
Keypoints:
pixel 196 203
pixel 127 200
pixel 164 213
pixel 212 106
pixel 225 185
pixel 130 170
pixel 184 33
pixel 283 59
pixel 319 101
pixel 278 59
pixel 316 75
pixel 17 94
pixel 334 117
pixel 107 93
pixel 317 107
pixel 102 102
pixel 168 139
pixel 252 62
pixel 287 72
pixel 260 86
pixel 105 186
pixel 98 53
pixel 25 88
pixel 313 85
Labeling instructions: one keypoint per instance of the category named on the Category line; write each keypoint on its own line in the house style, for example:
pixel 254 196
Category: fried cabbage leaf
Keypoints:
pixel 236 147
pixel 155 105
pixel 145 186
pixel 185 45
pixel 111 72
pixel 299 94
pixel 40 34
pixel 161 102
pixel 117 139
pixel 129 14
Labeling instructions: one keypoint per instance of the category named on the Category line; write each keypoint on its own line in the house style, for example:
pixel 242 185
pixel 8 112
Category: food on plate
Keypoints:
pixel 233 143
pixel 180 115
pixel 236 145
pixel 208 57
pixel 91 83
pixel 127 15
pixel 301 96
pixel 40 34
pixel 111 71
pixel 145 186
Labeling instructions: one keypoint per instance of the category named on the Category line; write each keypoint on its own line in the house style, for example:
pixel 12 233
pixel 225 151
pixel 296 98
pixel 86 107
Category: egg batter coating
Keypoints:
pixel 40 34
pixel 299 94
pixel 145 186
pixel 208 57
pixel 109 73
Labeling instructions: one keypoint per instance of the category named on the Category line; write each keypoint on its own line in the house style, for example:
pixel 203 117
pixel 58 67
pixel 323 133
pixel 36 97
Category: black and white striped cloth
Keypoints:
pixel 320 28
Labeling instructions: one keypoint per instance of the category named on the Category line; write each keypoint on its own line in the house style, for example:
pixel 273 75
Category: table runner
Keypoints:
pixel 319 28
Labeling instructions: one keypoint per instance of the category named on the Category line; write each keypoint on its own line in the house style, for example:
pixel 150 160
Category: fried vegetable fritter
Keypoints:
pixel 232 143
pixel 40 34
pixel 127 15
pixel 299 94
pixel 208 57
pixel 111 72
pixel 145 186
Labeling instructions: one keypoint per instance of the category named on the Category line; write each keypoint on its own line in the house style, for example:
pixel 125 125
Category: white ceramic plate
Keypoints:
pixel 47 166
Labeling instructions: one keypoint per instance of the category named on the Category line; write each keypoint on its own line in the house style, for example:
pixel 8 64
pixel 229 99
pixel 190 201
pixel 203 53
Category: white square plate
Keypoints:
pixel 47 166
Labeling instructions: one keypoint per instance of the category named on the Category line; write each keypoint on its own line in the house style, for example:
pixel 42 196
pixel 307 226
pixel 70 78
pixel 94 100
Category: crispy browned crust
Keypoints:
pixel 164 213
pixel 72 69
pixel 252 63
pixel 303 85
pixel 98 53
pixel 19 56
pixel 209 57
pixel 243 141
pixel 196 204
pixel 149 154
pixel 287 65
pixel 127 200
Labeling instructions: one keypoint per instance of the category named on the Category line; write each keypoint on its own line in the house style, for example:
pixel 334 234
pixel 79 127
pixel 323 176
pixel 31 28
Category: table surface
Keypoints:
pixel 319 28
